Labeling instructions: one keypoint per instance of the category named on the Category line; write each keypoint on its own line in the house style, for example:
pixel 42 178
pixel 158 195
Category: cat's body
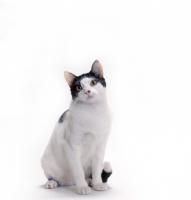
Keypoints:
pixel 77 146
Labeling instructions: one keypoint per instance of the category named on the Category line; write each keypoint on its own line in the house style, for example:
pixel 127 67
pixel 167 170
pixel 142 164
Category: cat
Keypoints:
pixel 75 152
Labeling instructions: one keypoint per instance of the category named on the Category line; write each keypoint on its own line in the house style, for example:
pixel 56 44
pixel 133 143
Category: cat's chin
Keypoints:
pixel 89 100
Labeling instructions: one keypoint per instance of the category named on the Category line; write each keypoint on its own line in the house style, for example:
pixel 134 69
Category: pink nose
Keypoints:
pixel 86 91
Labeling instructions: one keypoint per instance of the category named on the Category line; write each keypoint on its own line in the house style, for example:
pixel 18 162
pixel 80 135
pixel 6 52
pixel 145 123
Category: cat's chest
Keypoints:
pixel 95 120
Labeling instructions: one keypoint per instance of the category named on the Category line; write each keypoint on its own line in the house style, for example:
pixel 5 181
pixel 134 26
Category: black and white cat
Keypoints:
pixel 75 152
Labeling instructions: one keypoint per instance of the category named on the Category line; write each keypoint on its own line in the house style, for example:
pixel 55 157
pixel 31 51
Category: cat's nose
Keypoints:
pixel 87 91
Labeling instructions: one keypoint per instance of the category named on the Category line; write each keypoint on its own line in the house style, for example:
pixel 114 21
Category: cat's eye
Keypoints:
pixel 78 88
pixel 93 82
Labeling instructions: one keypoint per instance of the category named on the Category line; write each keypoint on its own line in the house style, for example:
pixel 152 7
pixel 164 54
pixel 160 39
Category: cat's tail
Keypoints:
pixel 107 171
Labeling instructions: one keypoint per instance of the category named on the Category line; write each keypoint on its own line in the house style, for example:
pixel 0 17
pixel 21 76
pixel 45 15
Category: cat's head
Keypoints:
pixel 89 87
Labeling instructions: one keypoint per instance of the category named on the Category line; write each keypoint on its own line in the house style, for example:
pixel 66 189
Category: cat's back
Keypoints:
pixel 55 143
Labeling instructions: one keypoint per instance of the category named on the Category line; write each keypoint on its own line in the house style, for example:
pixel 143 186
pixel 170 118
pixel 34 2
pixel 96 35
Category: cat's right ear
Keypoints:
pixel 69 78
pixel 97 69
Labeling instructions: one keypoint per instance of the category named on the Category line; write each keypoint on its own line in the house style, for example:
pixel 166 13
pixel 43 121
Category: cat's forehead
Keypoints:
pixel 86 81
pixel 87 78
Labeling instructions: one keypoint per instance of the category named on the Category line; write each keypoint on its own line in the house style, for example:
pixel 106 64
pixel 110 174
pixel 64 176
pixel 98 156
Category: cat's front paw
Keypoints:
pixel 84 190
pixel 100 187
pixel 51 184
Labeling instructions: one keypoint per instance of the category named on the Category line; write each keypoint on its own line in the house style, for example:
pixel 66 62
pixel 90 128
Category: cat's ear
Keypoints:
pixel 69 78
pixel 97 69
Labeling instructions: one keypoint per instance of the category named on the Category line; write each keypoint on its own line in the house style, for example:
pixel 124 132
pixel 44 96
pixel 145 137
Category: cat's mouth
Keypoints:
pixel 89 97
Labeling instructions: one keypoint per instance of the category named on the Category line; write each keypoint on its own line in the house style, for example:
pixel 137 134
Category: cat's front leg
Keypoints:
pixel 97 167
pixel 73 154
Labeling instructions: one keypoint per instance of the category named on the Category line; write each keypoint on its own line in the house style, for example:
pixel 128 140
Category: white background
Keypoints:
pixel 145 49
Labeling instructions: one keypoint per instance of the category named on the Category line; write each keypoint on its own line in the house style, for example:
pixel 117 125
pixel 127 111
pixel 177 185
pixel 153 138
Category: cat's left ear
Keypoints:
pixel 97 69
pixel 69 78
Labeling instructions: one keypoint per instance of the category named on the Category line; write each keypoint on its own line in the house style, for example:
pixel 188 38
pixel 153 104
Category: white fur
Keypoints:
pixel 107 167
pixel 51 184
pixel 77 146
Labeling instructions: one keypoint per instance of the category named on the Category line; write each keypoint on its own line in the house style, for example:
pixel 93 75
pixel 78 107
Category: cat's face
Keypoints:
pixel 87 88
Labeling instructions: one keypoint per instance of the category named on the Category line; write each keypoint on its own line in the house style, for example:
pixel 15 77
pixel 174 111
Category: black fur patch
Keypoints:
pixel 105 175
pixel 77 80
pixel 61 119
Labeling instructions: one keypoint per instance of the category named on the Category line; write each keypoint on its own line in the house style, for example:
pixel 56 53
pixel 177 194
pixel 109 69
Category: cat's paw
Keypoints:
pixel 84 190
pixel 51 184
pixel 100 187
pixel 89 181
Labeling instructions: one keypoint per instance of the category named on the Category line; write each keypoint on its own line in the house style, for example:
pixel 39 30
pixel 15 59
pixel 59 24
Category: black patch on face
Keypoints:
pixel 61 119
pixel 77 80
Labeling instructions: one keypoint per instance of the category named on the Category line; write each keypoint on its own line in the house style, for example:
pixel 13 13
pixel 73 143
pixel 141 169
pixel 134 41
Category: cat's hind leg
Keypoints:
pixel 106 173
pixel 89 181
pixel 51 184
